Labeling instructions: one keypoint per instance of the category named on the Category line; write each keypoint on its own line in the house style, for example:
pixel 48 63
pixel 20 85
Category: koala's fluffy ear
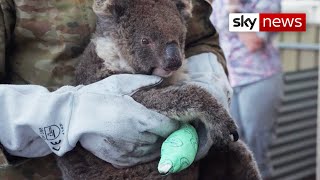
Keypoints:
pixel 185 8
pixel 109 8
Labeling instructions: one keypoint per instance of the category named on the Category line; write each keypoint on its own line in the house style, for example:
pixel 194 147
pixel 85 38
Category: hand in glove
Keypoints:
pixel 205 71
pixel 102 116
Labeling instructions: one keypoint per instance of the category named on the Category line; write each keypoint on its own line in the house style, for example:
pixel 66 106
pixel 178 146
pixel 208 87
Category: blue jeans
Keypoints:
pixel 254 107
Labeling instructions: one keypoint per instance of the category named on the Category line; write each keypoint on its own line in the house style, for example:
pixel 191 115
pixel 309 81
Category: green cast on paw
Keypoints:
pixel 179 150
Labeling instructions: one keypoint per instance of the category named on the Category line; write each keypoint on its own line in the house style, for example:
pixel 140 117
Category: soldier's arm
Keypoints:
pixel 202 36
pixel 206 61
pixel 7 22
pixel 203 40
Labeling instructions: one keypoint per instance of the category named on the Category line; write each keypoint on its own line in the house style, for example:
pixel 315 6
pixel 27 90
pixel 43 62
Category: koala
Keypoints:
pixel 148 37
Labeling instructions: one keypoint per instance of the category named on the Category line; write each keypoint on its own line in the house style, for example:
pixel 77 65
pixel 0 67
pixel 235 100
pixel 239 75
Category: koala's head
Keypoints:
pixel 150 34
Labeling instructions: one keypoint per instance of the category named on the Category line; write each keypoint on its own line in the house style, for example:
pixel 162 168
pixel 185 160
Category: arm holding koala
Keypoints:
pixel 202 36
pixel 7 22
pixel 206 63
pixel 36 122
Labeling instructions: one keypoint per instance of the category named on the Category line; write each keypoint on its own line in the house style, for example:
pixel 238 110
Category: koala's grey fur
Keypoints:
pixel 116 48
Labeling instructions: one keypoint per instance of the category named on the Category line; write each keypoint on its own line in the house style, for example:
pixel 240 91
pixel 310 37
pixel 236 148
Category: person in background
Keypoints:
pixel 255 74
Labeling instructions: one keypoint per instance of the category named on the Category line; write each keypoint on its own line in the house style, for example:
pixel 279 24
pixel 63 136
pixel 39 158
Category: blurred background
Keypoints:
pixel 294 147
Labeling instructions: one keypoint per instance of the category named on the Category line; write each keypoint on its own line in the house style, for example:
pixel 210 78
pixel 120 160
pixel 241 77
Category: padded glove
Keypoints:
pixel 101 116
pixel 205 71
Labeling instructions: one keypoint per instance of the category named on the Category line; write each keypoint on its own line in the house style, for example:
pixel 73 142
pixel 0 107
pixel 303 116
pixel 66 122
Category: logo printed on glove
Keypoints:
pixel 51 134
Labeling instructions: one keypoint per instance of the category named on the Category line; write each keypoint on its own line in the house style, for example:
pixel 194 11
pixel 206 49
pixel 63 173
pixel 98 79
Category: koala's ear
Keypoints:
pixel 109 8
pixel 185 8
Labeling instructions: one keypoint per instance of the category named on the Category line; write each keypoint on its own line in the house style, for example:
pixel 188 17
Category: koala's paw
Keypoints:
pixel 222 132
pixel 233 131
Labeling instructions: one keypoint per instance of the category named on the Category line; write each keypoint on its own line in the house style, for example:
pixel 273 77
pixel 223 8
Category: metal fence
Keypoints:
pixel 293 149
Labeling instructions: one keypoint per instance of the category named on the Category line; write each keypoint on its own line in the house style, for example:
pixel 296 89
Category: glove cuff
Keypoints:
pixel 35 120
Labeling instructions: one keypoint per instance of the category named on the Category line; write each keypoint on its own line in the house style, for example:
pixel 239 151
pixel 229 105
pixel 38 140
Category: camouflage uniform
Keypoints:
pixel 39 40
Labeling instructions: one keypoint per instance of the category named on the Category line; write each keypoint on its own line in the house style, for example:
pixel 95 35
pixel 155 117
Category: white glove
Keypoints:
pixel 102 116
pixel 205 71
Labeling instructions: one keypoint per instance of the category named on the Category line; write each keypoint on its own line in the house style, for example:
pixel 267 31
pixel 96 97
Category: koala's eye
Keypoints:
pixel 145 41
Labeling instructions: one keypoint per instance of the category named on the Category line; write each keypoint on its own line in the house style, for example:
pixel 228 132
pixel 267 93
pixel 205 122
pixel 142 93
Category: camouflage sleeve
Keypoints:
pixel 6 27
pixel 7 21
pixel 202 36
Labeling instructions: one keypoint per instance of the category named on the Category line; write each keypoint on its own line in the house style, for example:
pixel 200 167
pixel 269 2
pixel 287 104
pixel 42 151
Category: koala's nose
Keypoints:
pixel 173 59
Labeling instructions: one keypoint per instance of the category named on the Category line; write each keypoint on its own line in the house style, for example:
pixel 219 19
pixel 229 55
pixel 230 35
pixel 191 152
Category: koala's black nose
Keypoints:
pixel 173 59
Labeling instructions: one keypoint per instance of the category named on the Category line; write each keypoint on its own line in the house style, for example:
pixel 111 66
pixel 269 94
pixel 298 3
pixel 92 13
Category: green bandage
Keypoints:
pixel 179 150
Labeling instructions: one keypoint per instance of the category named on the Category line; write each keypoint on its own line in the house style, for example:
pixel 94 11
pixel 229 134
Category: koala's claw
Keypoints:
pixel 228 132
pixel 234 136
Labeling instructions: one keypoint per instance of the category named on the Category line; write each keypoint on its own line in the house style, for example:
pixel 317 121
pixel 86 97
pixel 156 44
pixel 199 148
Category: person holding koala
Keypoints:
pixel 41 115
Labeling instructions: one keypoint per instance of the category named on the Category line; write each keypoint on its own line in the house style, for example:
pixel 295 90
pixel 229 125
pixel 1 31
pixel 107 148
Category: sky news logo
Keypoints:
pixel 267 22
